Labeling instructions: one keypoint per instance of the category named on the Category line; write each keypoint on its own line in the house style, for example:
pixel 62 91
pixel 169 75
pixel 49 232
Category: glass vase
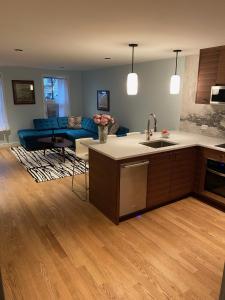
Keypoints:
pixel 102 134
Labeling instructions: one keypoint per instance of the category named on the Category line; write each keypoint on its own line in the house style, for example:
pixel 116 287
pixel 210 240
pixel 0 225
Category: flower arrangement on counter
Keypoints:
pixel 103 121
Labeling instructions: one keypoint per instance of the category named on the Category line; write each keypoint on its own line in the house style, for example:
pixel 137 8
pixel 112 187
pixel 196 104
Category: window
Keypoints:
pixel 56 96
pixel 4 125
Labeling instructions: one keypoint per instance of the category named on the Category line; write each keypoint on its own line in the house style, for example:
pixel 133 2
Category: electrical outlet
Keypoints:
pixel 204 127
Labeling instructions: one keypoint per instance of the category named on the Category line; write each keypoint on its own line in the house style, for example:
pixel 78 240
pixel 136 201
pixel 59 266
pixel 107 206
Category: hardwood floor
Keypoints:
pixel 54 246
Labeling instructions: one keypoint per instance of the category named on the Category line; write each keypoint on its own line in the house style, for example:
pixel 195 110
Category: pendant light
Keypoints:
pixel 132 78
pixel 175 79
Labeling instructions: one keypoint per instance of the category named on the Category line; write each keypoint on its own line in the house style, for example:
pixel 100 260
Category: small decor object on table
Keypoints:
pixel 23 91
pixel 103 121
pixel 165 133
pixel 103 100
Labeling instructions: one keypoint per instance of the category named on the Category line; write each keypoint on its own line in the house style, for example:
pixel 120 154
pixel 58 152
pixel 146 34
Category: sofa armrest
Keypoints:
pixel 122 131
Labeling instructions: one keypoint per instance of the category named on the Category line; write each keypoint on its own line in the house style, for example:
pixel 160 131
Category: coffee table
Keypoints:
pixel 55 142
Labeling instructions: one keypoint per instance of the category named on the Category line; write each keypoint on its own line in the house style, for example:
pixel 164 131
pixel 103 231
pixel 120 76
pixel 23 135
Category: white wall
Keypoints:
pixel 153 96
pixel 21 116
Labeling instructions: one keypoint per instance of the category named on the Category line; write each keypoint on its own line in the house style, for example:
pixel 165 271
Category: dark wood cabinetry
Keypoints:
pixel 183 172
pixel 207 73
pixel 171 176
pixel 205 154
pixel 159 179
pixel 220 79
pixel 211 72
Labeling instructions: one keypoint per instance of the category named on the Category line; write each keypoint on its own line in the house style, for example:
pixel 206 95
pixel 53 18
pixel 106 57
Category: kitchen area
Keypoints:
pixel 137 173
pixel 129 175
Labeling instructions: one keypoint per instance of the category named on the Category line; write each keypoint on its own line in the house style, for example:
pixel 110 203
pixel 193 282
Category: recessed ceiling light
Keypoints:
pixel 18 50
pixel 106 58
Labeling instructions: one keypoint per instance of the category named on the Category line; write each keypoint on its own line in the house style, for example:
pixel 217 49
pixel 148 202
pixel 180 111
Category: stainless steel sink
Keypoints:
pixel 158 144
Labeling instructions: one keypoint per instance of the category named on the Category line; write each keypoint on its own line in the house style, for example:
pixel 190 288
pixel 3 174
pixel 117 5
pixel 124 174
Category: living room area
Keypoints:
pixel 112 154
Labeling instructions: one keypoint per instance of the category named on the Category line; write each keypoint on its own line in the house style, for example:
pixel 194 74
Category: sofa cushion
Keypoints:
pixel 33 134
pixel 122 131
pixel 88 124
pixel 74 122
pixel 113 128
pixel 62 122
pixel 45 124
pixel 79 133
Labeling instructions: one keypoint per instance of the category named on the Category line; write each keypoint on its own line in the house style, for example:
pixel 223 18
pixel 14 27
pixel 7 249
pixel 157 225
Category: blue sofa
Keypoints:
pixel 45 128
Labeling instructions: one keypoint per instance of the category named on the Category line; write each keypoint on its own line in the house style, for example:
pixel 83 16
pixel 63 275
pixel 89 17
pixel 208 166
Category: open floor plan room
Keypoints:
pixel 112 150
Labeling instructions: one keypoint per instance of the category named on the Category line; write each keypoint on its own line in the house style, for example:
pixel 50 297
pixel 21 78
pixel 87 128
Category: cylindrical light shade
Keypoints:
pixel 132 84
pixel 175 85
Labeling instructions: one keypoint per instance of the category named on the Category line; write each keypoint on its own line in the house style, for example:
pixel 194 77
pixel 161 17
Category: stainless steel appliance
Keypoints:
pixel 215 177
pixel 133 187
pixel 217 94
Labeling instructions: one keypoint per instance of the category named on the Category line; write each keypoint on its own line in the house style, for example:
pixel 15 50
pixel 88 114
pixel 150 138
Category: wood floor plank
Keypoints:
pixel 55 246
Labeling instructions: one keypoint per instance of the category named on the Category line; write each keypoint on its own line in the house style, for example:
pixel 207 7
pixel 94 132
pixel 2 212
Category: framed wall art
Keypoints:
pixel 23 91
pixel 103 100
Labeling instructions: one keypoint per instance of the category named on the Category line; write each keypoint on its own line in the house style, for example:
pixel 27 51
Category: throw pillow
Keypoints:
pixel 113 128
pixel 74 122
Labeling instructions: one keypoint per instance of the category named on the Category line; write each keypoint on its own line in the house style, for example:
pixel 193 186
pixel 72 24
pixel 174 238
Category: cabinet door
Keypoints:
pixel 221 68
pixel 159 180
pixel 207 73
pixel 183 175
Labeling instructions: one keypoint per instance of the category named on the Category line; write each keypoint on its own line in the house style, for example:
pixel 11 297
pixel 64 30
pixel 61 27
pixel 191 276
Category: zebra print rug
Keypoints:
pixel 49 167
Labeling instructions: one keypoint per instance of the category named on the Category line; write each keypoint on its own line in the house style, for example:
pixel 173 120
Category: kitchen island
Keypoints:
pixel 128 178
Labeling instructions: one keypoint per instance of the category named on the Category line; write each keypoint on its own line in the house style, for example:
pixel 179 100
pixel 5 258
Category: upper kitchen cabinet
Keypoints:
pixel 220 80
pixel 209 72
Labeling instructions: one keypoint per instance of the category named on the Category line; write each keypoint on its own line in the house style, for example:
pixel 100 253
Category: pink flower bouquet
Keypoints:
pixel 103 120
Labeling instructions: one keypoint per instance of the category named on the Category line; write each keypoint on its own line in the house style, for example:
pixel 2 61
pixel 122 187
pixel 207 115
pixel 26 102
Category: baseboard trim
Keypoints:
pixel 209 201
pixel 8 145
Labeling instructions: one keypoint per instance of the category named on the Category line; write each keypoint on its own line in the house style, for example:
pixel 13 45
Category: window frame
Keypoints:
pixel 53 75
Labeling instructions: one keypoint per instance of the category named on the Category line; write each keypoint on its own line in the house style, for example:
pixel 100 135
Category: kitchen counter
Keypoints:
pixel 129 146
pixel 127 178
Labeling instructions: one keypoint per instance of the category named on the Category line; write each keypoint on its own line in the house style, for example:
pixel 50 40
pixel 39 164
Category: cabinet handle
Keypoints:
pixel 215 172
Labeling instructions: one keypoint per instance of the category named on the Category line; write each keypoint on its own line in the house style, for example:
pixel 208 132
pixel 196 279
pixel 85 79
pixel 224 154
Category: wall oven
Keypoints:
pixel 215 177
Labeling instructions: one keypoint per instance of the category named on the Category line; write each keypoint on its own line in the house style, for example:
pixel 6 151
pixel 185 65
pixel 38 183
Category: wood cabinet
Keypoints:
pixel 209 62
pixel 183 172
pixel 159 179
pixel 220 80
pixel 171 176
pixel 203 155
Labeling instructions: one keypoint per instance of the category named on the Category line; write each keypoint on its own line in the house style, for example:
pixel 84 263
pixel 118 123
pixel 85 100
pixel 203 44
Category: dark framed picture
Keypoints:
pixel 103 100
pixel 23 91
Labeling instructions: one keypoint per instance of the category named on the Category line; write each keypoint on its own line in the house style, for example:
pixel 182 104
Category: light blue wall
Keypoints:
pixel 153 96
pixel 21 116
pixel 131 111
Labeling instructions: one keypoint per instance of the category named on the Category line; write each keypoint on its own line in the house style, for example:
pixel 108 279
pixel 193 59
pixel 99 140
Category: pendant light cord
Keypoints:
pixel 176 63
pixel 132 67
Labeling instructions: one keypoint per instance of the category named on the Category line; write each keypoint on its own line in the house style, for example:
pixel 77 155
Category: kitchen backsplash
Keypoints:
pixel 193 116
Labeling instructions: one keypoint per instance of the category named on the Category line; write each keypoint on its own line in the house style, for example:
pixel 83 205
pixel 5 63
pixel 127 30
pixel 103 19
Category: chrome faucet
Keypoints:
pixel 149 132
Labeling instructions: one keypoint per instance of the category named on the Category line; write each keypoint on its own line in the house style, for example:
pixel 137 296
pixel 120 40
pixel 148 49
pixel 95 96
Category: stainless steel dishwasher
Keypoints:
pixel 133 187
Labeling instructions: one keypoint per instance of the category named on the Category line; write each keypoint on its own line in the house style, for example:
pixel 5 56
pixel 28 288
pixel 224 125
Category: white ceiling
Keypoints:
pixel 78 34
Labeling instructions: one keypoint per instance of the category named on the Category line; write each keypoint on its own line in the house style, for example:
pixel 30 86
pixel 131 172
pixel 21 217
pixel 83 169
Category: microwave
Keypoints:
pixel 217 94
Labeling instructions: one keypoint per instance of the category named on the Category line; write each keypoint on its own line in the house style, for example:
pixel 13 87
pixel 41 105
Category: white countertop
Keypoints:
pixel 129 146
